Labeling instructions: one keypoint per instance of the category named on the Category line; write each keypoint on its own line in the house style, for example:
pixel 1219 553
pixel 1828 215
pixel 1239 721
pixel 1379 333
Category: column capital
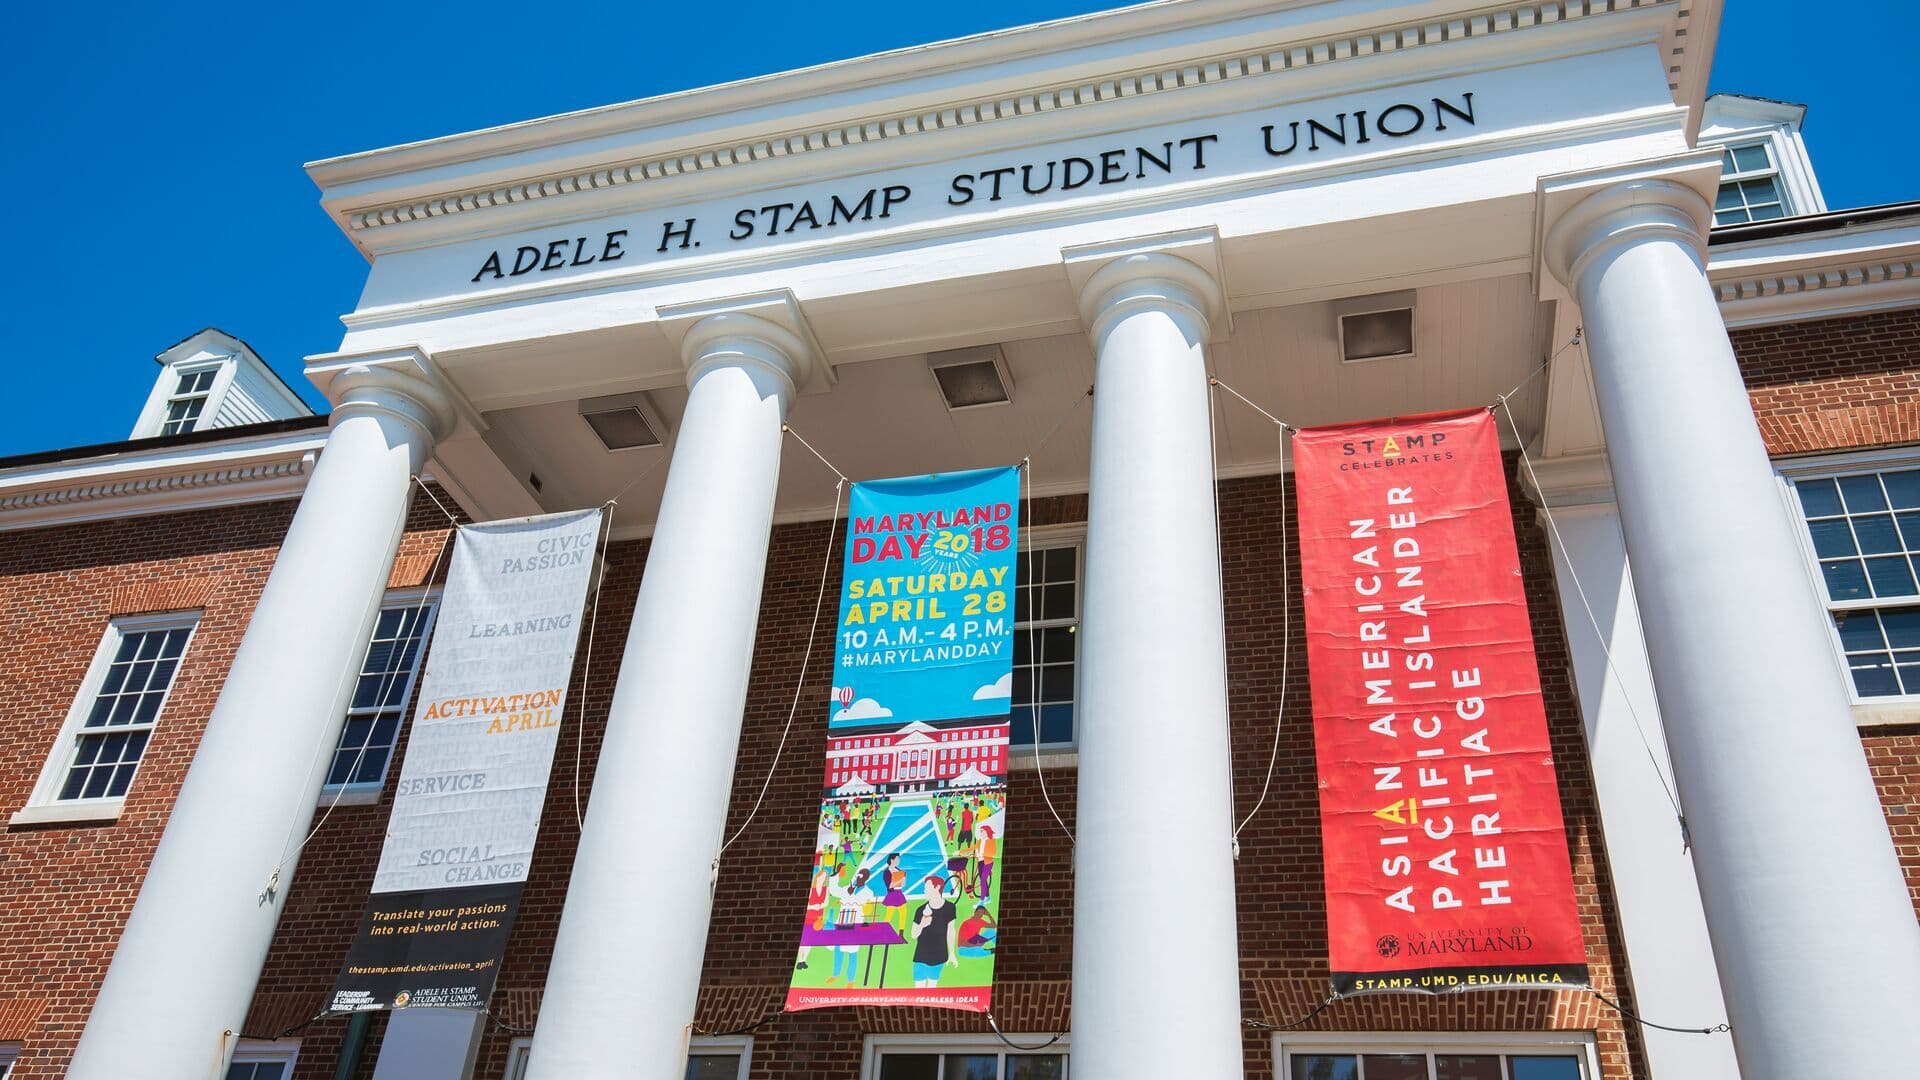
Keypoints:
pixel 1626 212
pixel 387 388
pixel 766 330
pixel 1172 271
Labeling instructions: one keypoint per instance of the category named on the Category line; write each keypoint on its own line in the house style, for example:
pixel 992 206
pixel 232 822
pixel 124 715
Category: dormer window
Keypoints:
pixel 189 399
pixel 1750 187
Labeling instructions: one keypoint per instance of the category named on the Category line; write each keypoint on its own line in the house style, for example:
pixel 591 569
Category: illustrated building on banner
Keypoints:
pixel 1446 856
pixel 903 899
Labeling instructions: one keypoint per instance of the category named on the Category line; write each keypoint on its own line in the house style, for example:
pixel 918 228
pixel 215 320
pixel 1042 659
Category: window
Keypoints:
pixel 1863 529
pixel 380 696
pixel 257 1059
pixel 1046 645
pixel 8 1055
pixel 1749 186
pixel 1437 1056
pixel 113 717
pixel 188 400
pixel 946 1057
pixel 719 1057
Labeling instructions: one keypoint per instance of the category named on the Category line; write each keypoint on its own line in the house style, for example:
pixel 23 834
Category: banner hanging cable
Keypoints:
pixel 412 627
pixel 1286 596
pixel 1027 583
pixel 1033 641
pixel 806 658
pixel 800 681
pixel 1501 402
pixel 1593 621
pixel 593 624
pixel 601 545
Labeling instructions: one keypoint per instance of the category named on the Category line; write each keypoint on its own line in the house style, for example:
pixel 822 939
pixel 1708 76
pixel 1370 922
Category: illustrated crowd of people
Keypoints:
pixel 844 894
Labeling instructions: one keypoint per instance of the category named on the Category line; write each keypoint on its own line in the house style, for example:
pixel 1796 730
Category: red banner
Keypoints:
pixel 1446 857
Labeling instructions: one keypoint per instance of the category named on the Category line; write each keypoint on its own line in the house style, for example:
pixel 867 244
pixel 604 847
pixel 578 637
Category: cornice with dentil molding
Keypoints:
pixel 1402 37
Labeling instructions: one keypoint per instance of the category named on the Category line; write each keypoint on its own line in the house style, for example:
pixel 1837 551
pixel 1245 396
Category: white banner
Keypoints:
pixel 468 806
pixel 467 810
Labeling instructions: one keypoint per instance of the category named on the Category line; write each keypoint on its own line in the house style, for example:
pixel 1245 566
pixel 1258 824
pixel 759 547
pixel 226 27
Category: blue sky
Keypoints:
pixel 153 172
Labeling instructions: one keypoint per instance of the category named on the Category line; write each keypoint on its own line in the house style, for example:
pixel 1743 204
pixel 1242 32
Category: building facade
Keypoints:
pixel 1112 249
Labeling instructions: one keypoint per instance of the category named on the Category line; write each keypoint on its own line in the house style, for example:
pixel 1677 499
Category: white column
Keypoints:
pixel 626 964
pixel 184 972
pixel 1657 900
pixel 1156 779
pixel 1811 924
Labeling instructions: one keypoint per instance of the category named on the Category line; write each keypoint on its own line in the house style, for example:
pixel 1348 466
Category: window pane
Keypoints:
pixel 1859 630
pixel 713 1066
pixel 1876 533
pixel 1903 487
pixel 1767 211
pixel 1819 498
pixel 1466 1067
pixel 1729 200
pixel 1846 580
pixel 1036 1066
pixel 910 1067
pixel 1903 627
pixel 1873 675
pixel 1056 723
pixel 1831 538
pixel 972 1067
pixel 1910 529
pixel 1325 1067
pixel 1396 1066
pixel 1056 680
pixel 1063 563
pixel 1862 494
pixel 1891 577
pixel 1544 1068
pixel 1749 158
pixel 1909 665
pixel 97 782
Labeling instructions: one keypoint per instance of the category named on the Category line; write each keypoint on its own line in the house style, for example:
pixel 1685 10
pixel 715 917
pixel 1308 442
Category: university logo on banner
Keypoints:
pixel 904 895
pixel 1446 855
pixel 467 809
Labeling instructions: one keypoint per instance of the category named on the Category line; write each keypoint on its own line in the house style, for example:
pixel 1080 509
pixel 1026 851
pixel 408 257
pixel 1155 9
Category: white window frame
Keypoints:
pixel 520 1051
pixel 367 792
pixel 44 805
pixel 265 1052
pixel 208 398
pixel 876 1045
pixel 1524 1043
pixel 1730 149
pixel 1867 711
pixel 1021 755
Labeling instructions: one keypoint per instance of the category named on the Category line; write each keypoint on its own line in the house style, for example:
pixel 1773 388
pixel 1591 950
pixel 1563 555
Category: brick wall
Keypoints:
pixel 1825 385
pixel 1834 384
pixel 67 889
pixel 764 876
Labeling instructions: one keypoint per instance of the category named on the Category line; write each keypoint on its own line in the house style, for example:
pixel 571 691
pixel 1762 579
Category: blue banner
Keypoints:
pixel 926 600
pixel 903 904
